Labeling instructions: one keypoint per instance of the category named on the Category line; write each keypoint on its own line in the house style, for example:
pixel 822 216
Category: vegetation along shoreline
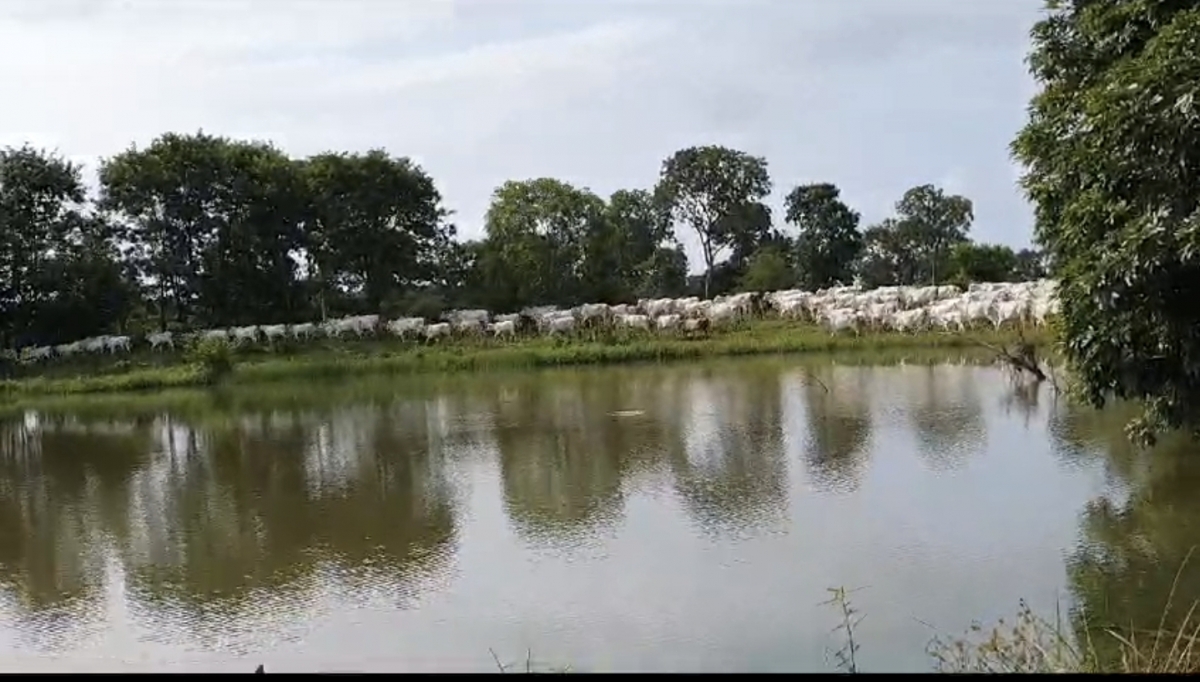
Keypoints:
pixel 210 363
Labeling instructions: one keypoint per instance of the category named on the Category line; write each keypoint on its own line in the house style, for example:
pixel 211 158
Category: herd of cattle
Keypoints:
pixel 839 309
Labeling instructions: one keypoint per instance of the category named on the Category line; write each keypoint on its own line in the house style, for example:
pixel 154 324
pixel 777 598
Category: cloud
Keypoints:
pixel 875 96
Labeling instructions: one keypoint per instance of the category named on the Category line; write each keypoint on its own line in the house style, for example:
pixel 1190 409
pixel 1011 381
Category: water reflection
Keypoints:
pixel 838 411
pixel 62 486
pixel 204 520
pixel 561 457
pixel 1132 563
pixel 727 457
pixel 947 416
pixel 233 521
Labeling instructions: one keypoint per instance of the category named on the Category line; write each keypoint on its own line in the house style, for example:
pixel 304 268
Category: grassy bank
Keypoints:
pixel 376 358
pixel 200 403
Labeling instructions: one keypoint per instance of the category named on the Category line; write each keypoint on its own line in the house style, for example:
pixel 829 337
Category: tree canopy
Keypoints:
pixel 1112 156
pixel 198 230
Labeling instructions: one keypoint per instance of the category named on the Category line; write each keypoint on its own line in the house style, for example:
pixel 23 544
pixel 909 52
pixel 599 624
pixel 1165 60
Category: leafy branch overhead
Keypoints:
pixel 1112 157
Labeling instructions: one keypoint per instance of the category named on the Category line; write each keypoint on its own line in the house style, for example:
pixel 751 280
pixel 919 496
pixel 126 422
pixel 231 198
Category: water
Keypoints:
pixel 681 518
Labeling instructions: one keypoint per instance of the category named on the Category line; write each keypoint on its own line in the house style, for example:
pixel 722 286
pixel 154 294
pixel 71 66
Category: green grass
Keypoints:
pixel 375 358
pixel 198 403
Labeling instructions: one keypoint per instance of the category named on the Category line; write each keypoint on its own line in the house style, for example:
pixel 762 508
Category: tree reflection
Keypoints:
pixel 1130 563
pixel 262 506
pixel 729 462
pixel 947 415
pixel 63 483
pixel 1024 397
pixel 836 446
pixel 563 453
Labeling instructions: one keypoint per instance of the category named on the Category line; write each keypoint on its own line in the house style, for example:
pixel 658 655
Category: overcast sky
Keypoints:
pixel 873 95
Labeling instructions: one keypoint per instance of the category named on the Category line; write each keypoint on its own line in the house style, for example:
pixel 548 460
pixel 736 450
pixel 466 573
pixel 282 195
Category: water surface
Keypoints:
pixel 672 518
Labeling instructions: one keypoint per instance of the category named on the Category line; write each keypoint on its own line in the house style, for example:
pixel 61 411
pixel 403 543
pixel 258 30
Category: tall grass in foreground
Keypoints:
pixel 1033 644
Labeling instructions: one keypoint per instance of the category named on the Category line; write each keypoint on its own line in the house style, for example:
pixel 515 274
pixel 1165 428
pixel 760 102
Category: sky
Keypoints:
pixel 875 96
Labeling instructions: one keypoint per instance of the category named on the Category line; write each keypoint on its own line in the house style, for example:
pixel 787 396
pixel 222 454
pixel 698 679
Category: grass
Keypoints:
pixel 200 403
pixel 1033 644
pixel 375 358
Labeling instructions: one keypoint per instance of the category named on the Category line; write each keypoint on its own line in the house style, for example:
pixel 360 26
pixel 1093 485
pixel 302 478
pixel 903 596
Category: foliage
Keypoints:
pixel 717 192
pixel 374 224
pixel 847 656
pixel 915 246
pixel 1033 644
pixel 213 359
pixel 971 262
pixel 768 270
pixel 829 241
pixel 886 258
pixel 1112 156
pixel 60 274
pixel 1031 265
pixel 930 223
pixel 198 231
pixel 762 338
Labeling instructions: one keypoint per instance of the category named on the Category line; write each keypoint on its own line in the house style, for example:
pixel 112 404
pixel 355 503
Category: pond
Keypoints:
pixel 656 518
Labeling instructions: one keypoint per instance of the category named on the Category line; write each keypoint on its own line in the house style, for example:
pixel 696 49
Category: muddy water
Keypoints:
pixel 656 518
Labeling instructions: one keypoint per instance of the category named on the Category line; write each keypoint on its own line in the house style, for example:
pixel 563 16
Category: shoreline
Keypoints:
pixel 395 358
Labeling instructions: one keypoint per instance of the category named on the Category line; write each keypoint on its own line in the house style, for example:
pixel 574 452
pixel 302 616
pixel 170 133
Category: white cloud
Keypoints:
pixel 875 96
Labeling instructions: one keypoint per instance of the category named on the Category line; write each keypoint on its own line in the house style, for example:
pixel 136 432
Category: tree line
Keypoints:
pixel 200 231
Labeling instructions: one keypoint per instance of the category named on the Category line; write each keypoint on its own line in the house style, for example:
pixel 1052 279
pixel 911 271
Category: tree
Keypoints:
pixel 932 223
pixel 712 189
pixel 1112 161
pixel 1031 265
pixel 750 228
pixel 213 224
pixel 35 190
pixel 376 226
pixel 663 274
pixel 829 241
pixel 768 270
pixel 888 257
pixel 59 277
pixel 622 244
pixel 85 288
pixel 971 262
pixel 541 230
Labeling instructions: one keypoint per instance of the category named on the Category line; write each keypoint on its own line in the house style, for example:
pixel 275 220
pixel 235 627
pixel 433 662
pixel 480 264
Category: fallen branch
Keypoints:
pixel 1023 357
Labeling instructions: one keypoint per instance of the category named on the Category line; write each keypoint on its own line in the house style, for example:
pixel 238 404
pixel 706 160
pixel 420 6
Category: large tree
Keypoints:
pixel 375 228
pixel 932 222
pixel 718 192
pixel 36 193
pixel 620 247
pixel 1112 156
pixel 1031 265
pixel 60 277
pixel 769 269
pixel 539 233
pixel 214 225
pixel 888 257
pixel 829 241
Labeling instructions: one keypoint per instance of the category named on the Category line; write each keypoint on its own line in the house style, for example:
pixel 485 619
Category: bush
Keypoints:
pixel 214 359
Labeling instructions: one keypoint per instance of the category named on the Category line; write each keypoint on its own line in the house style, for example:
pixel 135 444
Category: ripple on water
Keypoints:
pixel 657 518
